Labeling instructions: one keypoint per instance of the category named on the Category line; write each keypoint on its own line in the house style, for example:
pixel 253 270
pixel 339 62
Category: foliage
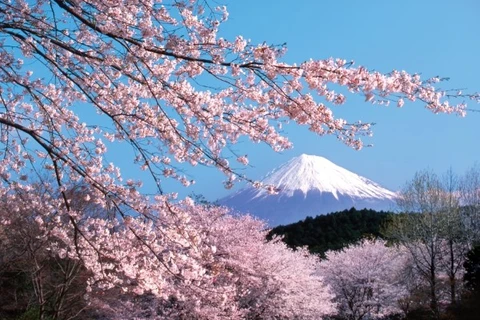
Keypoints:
pixel 366 279
pixel 155 76
pixel 437 232
pixel 198 262
pixel 79 79
pixel 332 231
pixel 35 282
pixel 470 198
pixel 472 269
pixel 468 307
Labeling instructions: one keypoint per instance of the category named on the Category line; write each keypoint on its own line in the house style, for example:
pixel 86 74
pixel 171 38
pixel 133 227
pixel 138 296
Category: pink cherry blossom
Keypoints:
pixel 366 279
pixel 80 79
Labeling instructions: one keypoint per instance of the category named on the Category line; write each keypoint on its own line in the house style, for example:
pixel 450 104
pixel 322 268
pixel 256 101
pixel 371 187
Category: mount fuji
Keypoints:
pixel 308 186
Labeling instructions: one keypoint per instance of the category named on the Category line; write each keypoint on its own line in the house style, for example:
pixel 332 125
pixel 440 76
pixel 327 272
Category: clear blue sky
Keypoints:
pixel 431 37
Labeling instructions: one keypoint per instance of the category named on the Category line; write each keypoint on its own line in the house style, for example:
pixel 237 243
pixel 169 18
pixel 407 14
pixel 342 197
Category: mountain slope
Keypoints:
pixel 332 231
pixel 308 186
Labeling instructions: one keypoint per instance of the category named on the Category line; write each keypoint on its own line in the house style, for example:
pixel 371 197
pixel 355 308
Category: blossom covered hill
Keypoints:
pixel 308 186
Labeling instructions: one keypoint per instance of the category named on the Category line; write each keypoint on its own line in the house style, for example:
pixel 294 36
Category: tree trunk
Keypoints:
pixel 452 274
pixel 433 285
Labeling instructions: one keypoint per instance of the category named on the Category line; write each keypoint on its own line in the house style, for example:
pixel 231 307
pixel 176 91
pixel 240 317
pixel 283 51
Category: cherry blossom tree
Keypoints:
pixel 33 279
pixel 275 281
pixel 235 273
pixel 366 279
pixel 436 232
pixel 456 233
pixel 160 80
pixel 81 78
pixel 420 229
pixel 198 262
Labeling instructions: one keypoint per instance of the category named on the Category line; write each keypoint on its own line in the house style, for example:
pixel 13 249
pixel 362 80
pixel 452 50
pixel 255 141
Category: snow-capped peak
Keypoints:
pixel 309 186
pixel 314 173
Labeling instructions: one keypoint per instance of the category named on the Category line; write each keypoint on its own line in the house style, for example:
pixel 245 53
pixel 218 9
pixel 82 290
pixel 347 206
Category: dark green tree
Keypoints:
pixel 332 231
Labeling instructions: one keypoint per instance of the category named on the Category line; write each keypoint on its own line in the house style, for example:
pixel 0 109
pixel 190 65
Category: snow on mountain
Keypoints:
pixel 308 186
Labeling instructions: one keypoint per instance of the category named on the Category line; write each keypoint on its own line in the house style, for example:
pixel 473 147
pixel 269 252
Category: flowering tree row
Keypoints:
pixel 199 262
pixel 196 263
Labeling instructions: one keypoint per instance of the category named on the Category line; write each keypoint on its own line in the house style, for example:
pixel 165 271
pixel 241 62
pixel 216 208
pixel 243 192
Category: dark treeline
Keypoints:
pixel 333 231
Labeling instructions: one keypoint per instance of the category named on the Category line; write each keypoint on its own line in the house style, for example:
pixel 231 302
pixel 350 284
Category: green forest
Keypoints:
pixel 332 231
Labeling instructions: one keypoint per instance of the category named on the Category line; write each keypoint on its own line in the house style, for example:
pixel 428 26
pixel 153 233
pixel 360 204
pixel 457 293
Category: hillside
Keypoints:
pixel 332 231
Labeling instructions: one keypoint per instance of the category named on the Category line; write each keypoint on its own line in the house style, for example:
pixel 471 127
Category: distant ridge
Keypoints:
pixel 308 186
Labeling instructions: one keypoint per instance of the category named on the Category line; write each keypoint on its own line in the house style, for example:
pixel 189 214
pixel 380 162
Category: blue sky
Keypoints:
pixel 428 37
pixel 420 36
